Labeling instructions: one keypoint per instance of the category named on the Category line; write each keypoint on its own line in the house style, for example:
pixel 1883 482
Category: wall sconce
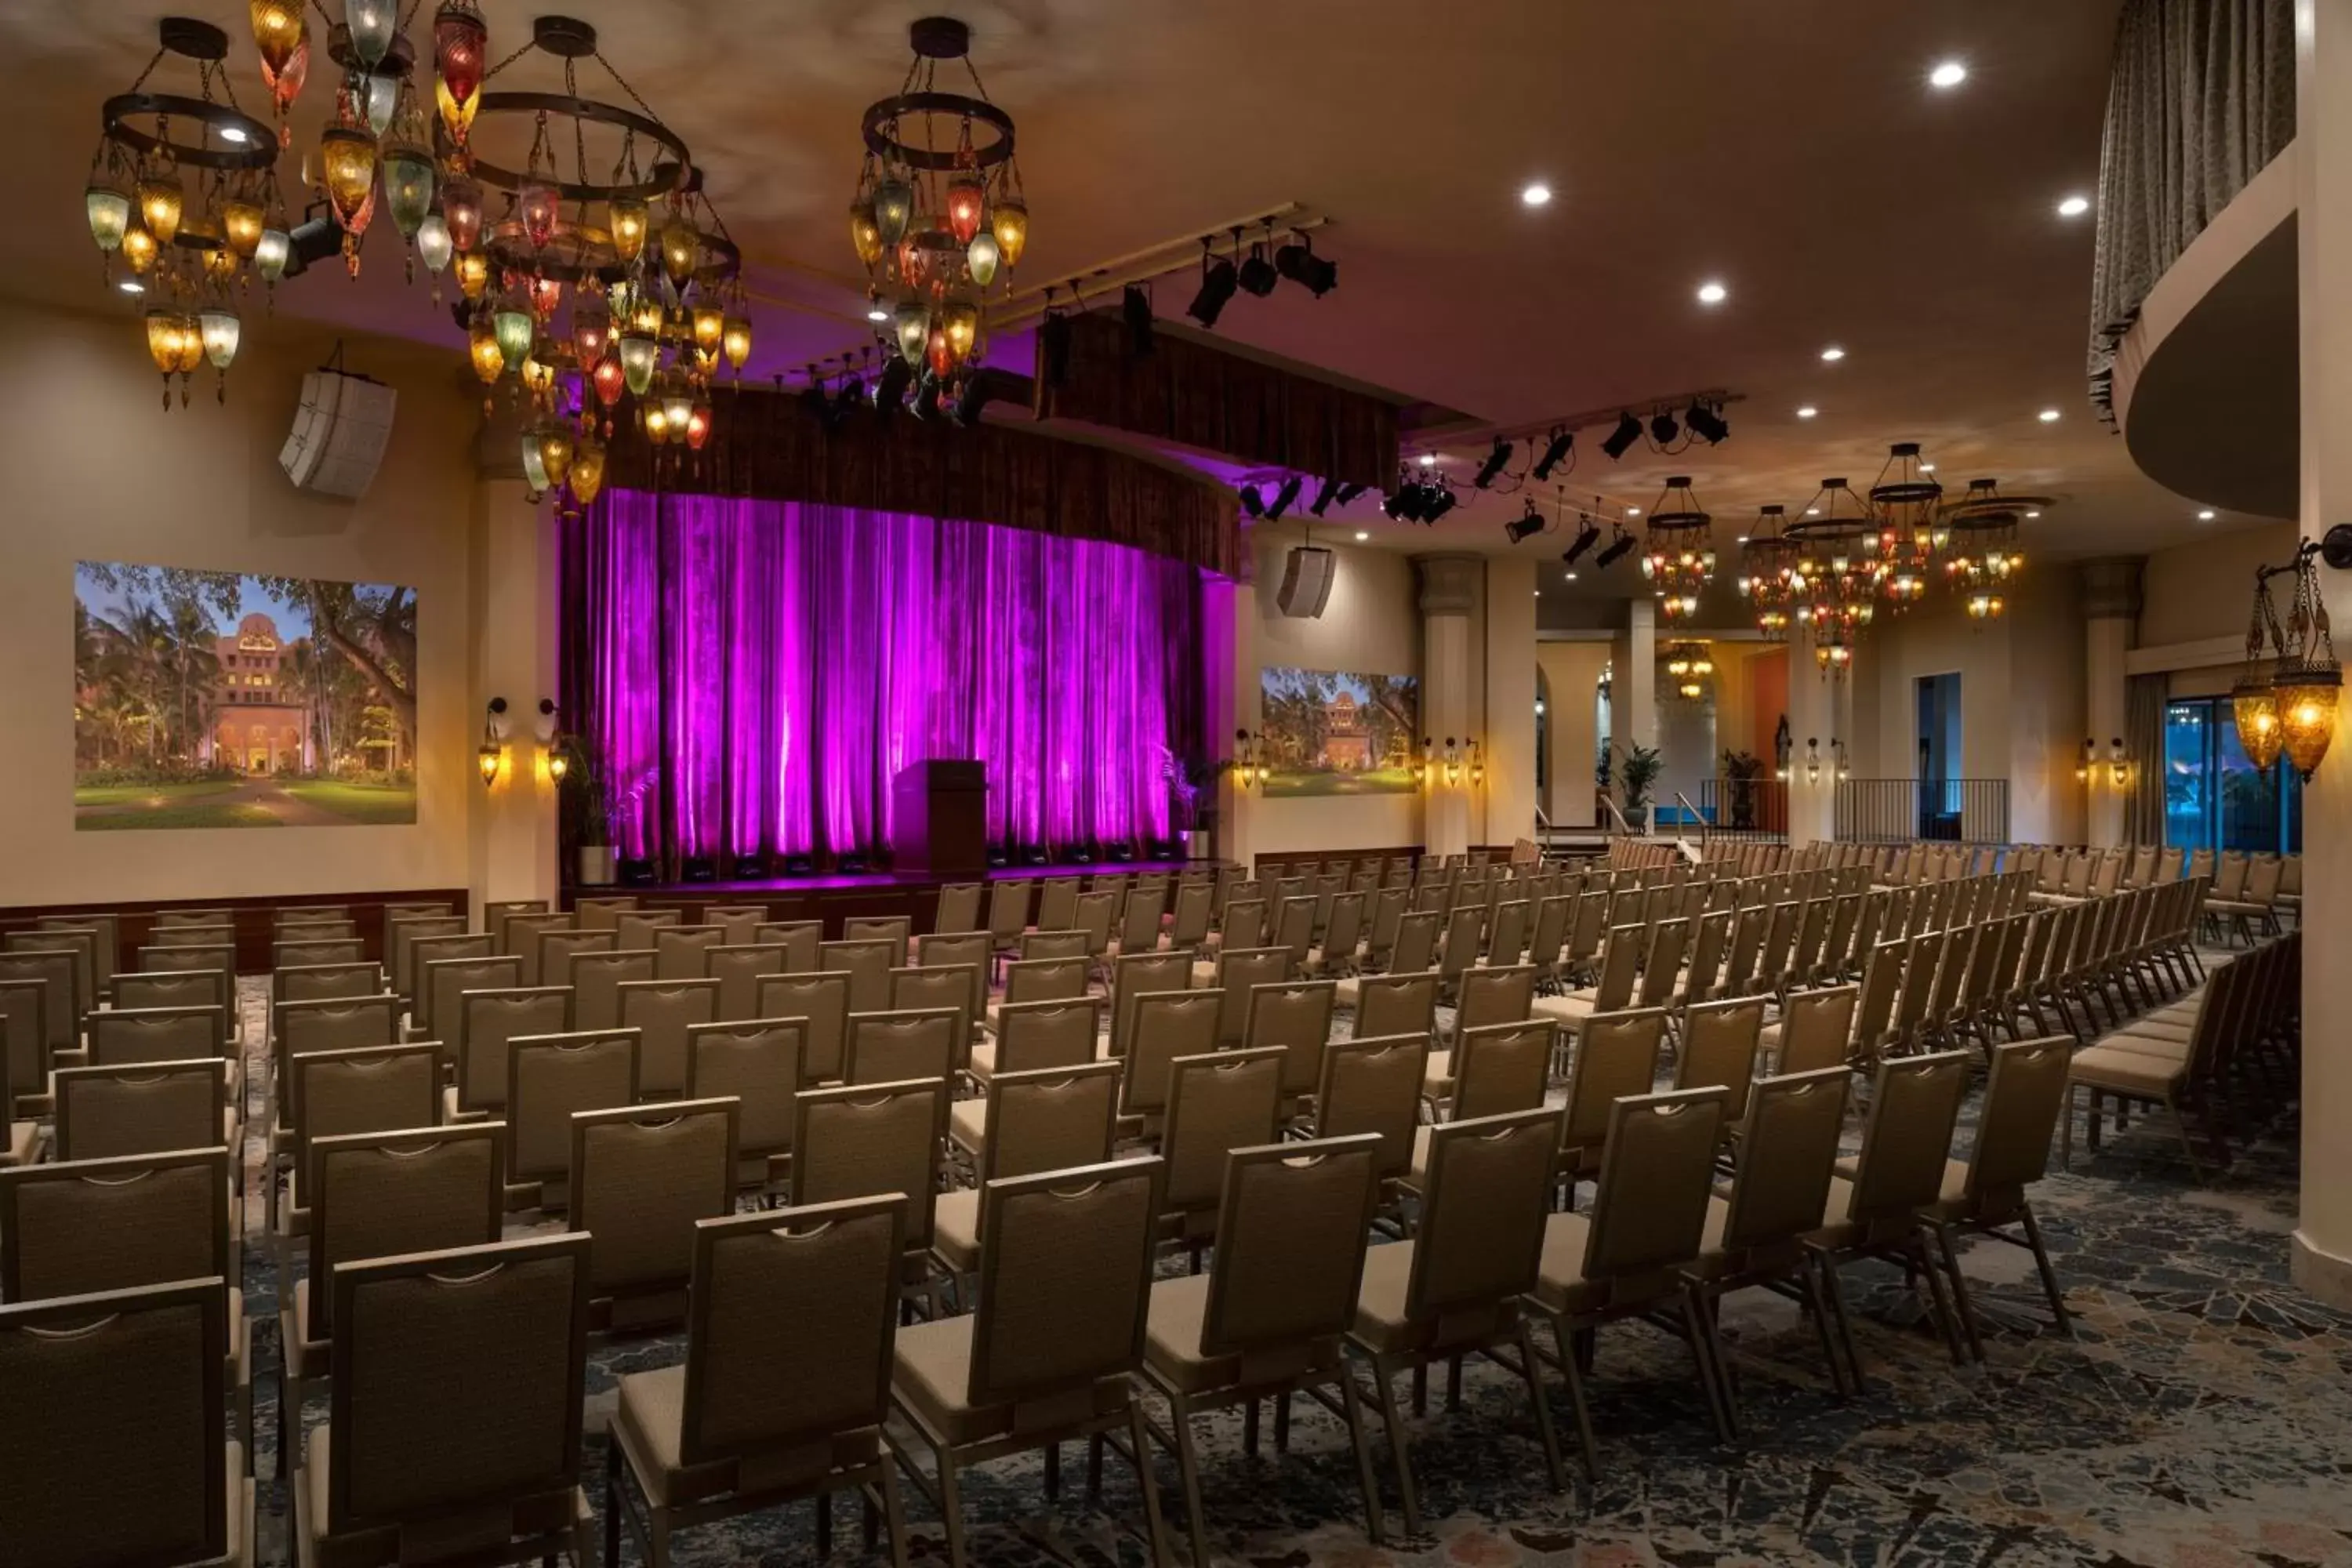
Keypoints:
pixel 1249 758
pixel 1813 758
pixel 1478 767
pixel 553 743
pixel 2118 762
pixel 2083 763
pixel 1452 761
pixel 1428 763
pixel 492 755
pixel 1844 763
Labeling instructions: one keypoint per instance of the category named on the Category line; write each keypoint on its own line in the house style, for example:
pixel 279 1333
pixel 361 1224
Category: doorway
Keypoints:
pixel 1940 766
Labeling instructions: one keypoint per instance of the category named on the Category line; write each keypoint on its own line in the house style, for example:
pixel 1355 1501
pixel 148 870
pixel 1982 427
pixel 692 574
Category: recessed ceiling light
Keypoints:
pixel 1743 539
pixel 1633 512
pixel 1832 354
pixel 2031 515
pixel 131 286
pixel 2205 516
pixel 1539 592
pixel 1712 293
pixel 2074 206
pixel 1571 577
pixel 233 133
pixel 1807 411
pixel 1813 511
pixel 1948 75
pixel 1362 536
pixel 1535 193
pixel 2050 416
pixel 1927 467
pixel 878 314
pixel 1429 460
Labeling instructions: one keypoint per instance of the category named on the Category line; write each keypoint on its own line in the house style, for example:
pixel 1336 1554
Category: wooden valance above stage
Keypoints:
pixel 771 445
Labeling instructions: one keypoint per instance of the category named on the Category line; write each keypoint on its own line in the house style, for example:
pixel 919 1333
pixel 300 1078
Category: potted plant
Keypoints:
pixel 1637 775
pixel 591 815
pixel 1743 772
pixel 1194 779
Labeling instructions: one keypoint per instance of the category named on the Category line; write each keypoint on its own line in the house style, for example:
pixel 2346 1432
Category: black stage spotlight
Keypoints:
pixel 1663 428
pixel 1323 497
pixel 1216 288
pixel 1707 424
pixel 1529 523
pixel 813 397
pixel 1392 506
pixel 1054 347
pixel 890 387
pixel 1348 492
pixel 1619 548
pixel 1586 537
pixel 1251 502
pixel 927 396
pixel 1135 309
pixel 1283 498
pixel 973 398
pixel 1257 277
pixel 1440 504
pixel 1311 272
pixel 1621 440
pixel 1556 453
pixel 1413 503
pixel 850 398
pixel 1493 465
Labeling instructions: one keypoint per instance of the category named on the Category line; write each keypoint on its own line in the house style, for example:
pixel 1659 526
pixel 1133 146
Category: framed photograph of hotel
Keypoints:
pixel 1338 732
pixel 221 699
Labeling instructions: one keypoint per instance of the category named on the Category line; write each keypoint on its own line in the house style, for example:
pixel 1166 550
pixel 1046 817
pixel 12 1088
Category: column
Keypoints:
pixel 1632 692
pixel 1508 740
pixel 2323 1237
pixel 1229 638
pixel 1450 586
pixel 513 647
pixel 2111 616
pixel 1814 697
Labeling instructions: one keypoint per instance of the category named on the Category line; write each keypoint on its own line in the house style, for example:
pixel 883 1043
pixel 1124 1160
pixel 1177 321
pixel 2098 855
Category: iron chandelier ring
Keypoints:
pixel 260 151
pixel 879 141
pixel 591 254
pixel 668 176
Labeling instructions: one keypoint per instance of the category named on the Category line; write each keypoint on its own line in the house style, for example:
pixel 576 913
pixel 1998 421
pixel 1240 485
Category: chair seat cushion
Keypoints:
pixel 1561 1284
pixel 984 1060
pixel 1178 1314
pixel 955 1228
pixel 1345 992
pixel 931 1377
pixel 1204 972
pixel 1564 1009
pixel 651 1422
pixel 968 1125
pixel 1380 1324
pixel 2127 1072
pixel 1437 1077
pixel 306 1356
pixel 24 1143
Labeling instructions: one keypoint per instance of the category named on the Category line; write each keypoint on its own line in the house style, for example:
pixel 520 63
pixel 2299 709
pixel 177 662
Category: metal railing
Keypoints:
pixel 1958 811
pixel 1620 826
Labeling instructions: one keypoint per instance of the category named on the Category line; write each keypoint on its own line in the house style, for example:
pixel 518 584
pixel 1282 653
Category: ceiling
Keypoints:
pixel 1791 149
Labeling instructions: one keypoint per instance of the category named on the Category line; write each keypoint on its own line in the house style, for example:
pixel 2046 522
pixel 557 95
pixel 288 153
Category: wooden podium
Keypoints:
pixel 940 817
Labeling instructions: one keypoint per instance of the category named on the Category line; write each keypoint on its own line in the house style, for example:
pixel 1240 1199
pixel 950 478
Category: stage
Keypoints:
pixel 835 897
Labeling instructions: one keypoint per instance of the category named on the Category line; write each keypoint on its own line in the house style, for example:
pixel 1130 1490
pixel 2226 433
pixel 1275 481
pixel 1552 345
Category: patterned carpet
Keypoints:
pixel 2201 1418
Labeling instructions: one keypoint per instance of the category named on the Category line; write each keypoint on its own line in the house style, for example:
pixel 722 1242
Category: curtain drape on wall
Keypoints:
pixel 2143 701
pixel 753 675
pixel 2200 97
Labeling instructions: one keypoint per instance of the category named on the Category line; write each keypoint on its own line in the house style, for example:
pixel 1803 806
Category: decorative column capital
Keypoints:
pixel 2111 587
pixel 1449 584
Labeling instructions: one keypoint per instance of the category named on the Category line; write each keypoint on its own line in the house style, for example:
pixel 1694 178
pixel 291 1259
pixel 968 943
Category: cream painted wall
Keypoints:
pixel 1371 624
pixel 2194 591
pixel 1572 672
pixel 1509 734
pixel 98 471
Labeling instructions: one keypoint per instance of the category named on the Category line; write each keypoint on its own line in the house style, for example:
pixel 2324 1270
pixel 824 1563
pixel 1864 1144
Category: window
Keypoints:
pixel 2214 797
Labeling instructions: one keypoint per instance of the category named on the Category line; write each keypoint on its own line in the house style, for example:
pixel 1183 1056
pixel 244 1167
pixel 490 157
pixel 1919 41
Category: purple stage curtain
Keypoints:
pixel 753 675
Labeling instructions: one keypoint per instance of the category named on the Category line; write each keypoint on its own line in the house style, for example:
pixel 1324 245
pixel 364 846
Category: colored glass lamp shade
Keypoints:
pixel 587 475
pixel 347 168
pixel 913 322
pixel 556 450
pixel 2307 702
pixel 160 206
pixel 592 327
pixel 1009 221
pixel 460 42
pixel 108 207
pixel 657 424
pixel 960 322
pixel 534 466
pixel 967 204
pixel 220 332
pixel 698 425
pixel 482 347
pixel 461 209
pixel 627 220
pixel 639 355
pixel 434 247
pixel 242 223
pixel 982 256
pixel 373 23
pixel 473 272
pixel 546 295
pixel 491 758
pixel 609 379
pixel 278 29
pixel 2254 704
pixel 379 97
pixel 736 341
pixel 681 248
pixel 709 327
pixel 270 254
pixel 139 248
pixel 513 323
pixel 894 209
pixel 678 408
pixel 864 233
pixel 559 762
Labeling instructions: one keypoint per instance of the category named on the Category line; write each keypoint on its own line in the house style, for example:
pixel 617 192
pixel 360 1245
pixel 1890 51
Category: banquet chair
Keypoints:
pixel 1399 1002
pixel 548 1079
pixel 1616 1055
pixel 1225 1101
pixel 1046 1119
pixel 150 1109
pixel 640 1176
pixel 885 1047
pixel 1371 1084
pixel 822 1001
pixel 758 1062
pixel 738 968
pixel 1030 1035
pixel 663 1011
pixel 958 909
pixel 963 986
pixel 870 1139
pixel 1133 975
pixel 1167 1026
pixel 488 1021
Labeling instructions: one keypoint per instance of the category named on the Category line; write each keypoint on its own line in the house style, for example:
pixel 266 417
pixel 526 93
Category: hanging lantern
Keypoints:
pixel 894 209
pixel 221 330
pixel 513 324
pixel 175 343
pixel 534 470
pixel 960 324
pixel 609 379
pixel 482 347
pixel 2306 701
pixel 270 254
pixel 681 248
pixel 2253 703
pixel 555 451
pixel 408 189
pixel 160 206
pixel 283 35
pixel 587 475
pixel 698 425
pixel 967 203
pixel 677 405
pixel 461 209
pixel 108 207
pixel 628 224
pixel 459 44
pixel 538 376
pixel 473 272
pixel 1009 221
pixel 546 295
pixel 657 424
pixel 646 317
pixel 216 260
pixel 709 326
pixel 865 233
pixel 539 208
pixel 379 96
pixel 639 355
pixel 914 325
pixel 139 249
pixel 373 23
pixel 591 325
pixel 242 222
pixel 433 245
pixel 938 355
pixel 347 167
pixel 737 340
pixel 982 256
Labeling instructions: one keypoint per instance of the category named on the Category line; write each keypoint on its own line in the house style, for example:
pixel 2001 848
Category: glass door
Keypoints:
pixel 2213 796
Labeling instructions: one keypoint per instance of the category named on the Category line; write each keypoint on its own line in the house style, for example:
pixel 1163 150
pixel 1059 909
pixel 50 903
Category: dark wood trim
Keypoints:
pixel 135 918
pixel 1276 859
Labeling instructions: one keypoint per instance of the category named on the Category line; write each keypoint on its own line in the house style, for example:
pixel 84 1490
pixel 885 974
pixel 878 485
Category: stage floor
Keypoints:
pixel 770 887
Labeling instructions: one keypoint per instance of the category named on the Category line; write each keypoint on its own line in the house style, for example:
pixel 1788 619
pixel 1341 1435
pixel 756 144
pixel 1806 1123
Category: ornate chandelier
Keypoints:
pixel 1689 666
pixel 1838 539
pixel 1678 549
pixel 939 215
pixel 1771 565
pixel 180 189
pixel 1907 501
pixel 1981 558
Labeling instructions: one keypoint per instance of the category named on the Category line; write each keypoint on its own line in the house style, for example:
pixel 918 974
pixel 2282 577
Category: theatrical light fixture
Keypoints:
pixel 1441 502
pixel 1135 310
pixel 1663 428
pixel 1705 422
pixel 1348 492
pixel 1257 276
pixel 1529 523
pixel 1619 548
pixel 1493 467
pixel 1323 496
pixel 1218 283
pixel 1586 536
pixel 1251 502
pixel 1622 439
pixel 1298 262
pixel 1555 452
pixel 1283 498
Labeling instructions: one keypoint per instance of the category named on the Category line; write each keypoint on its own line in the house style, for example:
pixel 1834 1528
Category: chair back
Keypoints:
pixel 1482 1225
pixel 737 924
pixel 1032 1035
pixel 1134 973
pixel 105 1112
pixel 895 930
pixel 1049 1119
pixel 800 939
pixel 962 986
pixel 756 1399
pixel 1294 927
pixel 290 952
pixel 334 1024
pixel 78 944
pixel 1502 1068
pixel 1651 1209
pixel 761 1063
pixel 1057 943
pixel 1046 979
pixel 1914 1104
pixel 867 1139
pixel 510 1316
pixel 1502 995
pixel 1240 971
pixel 1616 1055
pixel 599 914
pixel 886 1047
pixel 381 1195
pixel 641 1176
pixel 633 930
pixel 326 983
pixel 738 969
pixel 1294 1017
pixel 1168 1025
pixel 1057 904
pixel 1139 919
pixel 445 980
pixel 1093 916
pixel 1718 1050
pixel 1788 1144
pixel 958 909
pixel 1065 1279
pixel 1415 949
pixel 1817 1029
pixel 74 1228
pixel 108 1388
pixel 423 947
pixel 372 1088
pixel 1241 924
pixel 1341 933
pixel 54 972
pixel 868 964
pixel 548 1079
pixel 1188 920
pixel 2024 1096
pixel 24 1041
pixel 1219 1102
pixel 123 1036
pixel 662 1011
pixel 1397 1003
pixel 1291 1230
pixel 1008 910
pixel 488 1022
pixel 821 999
pixel 1371 1084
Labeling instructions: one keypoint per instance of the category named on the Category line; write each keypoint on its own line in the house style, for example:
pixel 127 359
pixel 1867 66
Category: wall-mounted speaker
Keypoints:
pixel 1306 574
pixel 340 433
